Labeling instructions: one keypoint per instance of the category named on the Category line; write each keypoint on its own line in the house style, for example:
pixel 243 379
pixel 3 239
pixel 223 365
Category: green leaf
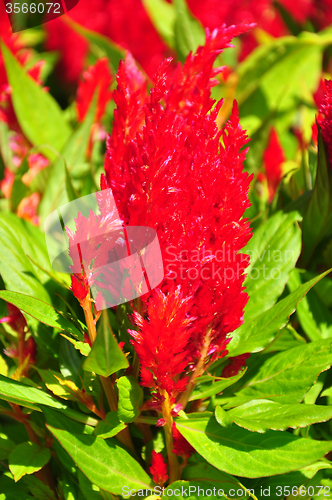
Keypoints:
pixel 130 398
pixel 56 191
pixel 16 392
pixel 255 334
pixel 240 452
pixel 273 487
pixel 6 446
pixel 214 386
pixel 109 427
pixel 196 489
pixel 18 240
pixel 40 310
pixel 261 415
pixel 27 458
pixel 317 221
pixel 204 475
pixel 106 356
pixel 38 114
pixel 83 347
pixel 103 462
pixel 314 316
pixel 273 249
pixel 99 44
pixel 90 491
pixel 188 31
pixel 11 490
pixel 53 381
pixel 287 376
pixel 278 75
pixel 38 489
pixel 162 15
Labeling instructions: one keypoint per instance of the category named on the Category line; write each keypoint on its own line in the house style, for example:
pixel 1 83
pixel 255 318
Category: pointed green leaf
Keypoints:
pixel 273 249
pixel 109 427
pixel 317 221
pixel 40 310
pixel 38 489
pixel 261 415
pixel 209 476
pixel 130 398
pixel 56 192
pixel 214 386
pixel 287 376
pixel 249 454
pixel 39 115
pixel 106 356
pixel 188 31
pixel 314 316
pixel 255 334
pixel 6 446
pixel 162 15
pixel 103 462
pixel 27 458
pixel 24 395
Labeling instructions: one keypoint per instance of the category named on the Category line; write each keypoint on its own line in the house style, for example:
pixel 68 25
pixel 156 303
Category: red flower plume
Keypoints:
pixel 158 468
pixel 326 122
pixel 97 76
pixel 273 158
pixel 171 169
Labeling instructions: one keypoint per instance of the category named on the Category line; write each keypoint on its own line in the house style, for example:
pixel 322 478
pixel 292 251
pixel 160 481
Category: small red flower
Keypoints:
pixel 273 158
pixel 96 77
pixel 181 447
pixel 326 120
pixel 235 365
pixel 158 468
pixel 15 319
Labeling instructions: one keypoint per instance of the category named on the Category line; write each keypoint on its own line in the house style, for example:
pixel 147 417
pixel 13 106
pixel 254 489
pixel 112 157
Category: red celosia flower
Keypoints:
pixel 326 122
pixel 15 319
pixel 273 158
pixel 97 76
pixel 181 447
pixel 161 342
pixel 171 169
pixel 158 468
pixel 235 365
pixel 27 208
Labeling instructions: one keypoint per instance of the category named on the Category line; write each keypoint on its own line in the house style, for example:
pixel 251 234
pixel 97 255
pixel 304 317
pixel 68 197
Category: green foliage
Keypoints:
pixel 39 114
pixel 237 451
pixel 106 356
pixel 130 398
pixel 27 458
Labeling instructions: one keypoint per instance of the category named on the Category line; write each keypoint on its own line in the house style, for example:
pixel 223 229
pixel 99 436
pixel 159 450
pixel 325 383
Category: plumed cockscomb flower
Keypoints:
pixel 96 77
pixel 162 341
pixel 273 159
pixel 170 168
pixel 181 446
pixel 326 121
pixel 158 468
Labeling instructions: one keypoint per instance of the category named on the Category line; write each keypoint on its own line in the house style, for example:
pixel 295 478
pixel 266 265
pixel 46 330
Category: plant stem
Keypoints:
pixel 173 464
pixel 89 319
pixel 123 436
pixel 199 370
